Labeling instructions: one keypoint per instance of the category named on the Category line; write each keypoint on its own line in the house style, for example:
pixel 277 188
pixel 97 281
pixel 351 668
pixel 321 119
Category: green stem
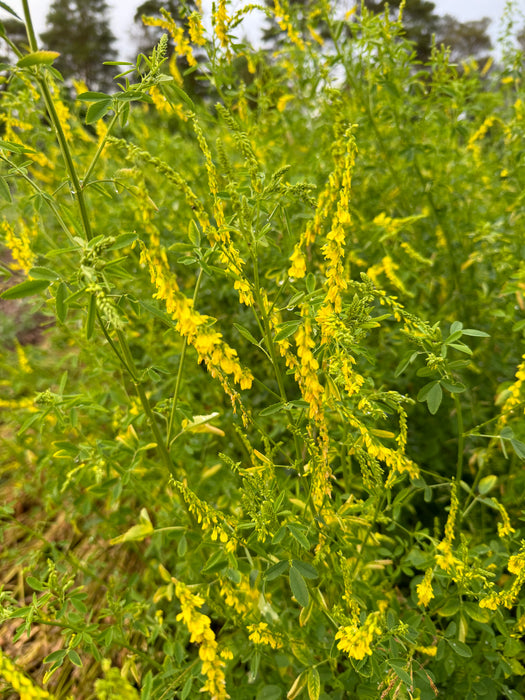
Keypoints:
pixel 130 366
pixel 61 137
pixel 100 148
pixel 461 440
pixel 359 562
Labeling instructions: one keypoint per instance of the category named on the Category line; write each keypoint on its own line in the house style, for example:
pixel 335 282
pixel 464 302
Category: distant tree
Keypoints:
pixel 421 23
pixel 521 39
pixel 465 39
pixel 15 30
pixel 79 30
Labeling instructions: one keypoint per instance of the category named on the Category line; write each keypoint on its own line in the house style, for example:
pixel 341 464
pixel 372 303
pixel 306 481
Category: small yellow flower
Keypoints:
pixel 260 634
pixel 356 640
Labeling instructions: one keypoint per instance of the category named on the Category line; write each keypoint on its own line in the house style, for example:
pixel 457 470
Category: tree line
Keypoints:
pixel 80 31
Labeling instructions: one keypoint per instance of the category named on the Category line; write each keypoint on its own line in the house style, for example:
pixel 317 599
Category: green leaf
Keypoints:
pixel 60 302
pixel 74 657
pixel 453 337
pixel 123 241
pixel 307 570
pixel 432 394
pixel 14 147
pixel 5 192
pixel 35 583
pixel 476 333
pixel 91 316
pixel 93 97
pixel 246 334
pixel 461 348
pixel 271 410
pixel 518 447
pixel 270 692
pixel 487 484
pixel 287 329
pixel 43 273
pixel 55 656
pixel 310 282
pixel 97 110
pixel 275 570
pixel 460 648
pixel 186 689
pixel 399 667
pixel 138 532
pixel 450 607
pixel 475 612
pixel 297 533
pixel 25 289
pixel 314 684
pixel 8 9
pixel 434 398
pixel 216 562
pixel 298 587
pixel 454 388
pixel 38 58
pixel 166 88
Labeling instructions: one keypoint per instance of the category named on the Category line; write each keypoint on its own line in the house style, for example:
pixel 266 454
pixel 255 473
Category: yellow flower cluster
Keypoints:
pixel 473 142
pixel 356 640
pixel 196 29
pixel 396 460
pixel 508 598
pixel 446 559
pixel 220 23
pixel 307 370
pixel 242 597
pixel 114 685
pixel 220 235
pixel 424 589
pixel 429 651
pixel 199 627
pixel 20 683
pixel 504 527
pixel 334 248
pixel 206 516
pixel 23 362
pixel 182 44
pixel 19 245
pixel 515 397
pixel 389 268
pixel 282 15
pixel 220 359
pixel 260 634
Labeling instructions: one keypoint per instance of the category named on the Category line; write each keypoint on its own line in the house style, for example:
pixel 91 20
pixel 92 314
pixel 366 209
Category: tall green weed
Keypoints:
pixel 270 441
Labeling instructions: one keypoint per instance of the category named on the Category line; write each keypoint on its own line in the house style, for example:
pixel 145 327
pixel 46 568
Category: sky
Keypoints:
pixel 122 12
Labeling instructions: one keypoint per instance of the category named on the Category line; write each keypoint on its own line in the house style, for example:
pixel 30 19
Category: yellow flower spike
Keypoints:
pixel 19 246
pixel 356 640
pixel 260 634
pixel 199 627
pixel 196 29
pixel 21 683
pixel 220 21
pixel 424 589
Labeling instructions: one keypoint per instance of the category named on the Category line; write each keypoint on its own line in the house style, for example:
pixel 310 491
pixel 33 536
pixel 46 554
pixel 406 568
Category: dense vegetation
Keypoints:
pixel 263 373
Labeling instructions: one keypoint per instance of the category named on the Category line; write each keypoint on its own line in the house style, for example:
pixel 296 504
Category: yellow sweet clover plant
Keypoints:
pixel 266 439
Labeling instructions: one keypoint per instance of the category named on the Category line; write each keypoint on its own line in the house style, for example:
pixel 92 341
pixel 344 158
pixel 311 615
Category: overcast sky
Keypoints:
pixel 123 11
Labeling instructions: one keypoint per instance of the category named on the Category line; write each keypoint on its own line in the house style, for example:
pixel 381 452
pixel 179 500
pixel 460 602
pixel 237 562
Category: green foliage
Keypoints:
pixel 271 440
